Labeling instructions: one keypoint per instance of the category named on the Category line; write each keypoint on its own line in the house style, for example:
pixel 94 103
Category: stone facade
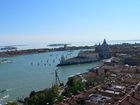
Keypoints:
pixel 103 50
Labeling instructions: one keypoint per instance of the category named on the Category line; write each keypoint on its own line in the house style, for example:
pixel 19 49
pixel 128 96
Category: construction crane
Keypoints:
pixel 57 80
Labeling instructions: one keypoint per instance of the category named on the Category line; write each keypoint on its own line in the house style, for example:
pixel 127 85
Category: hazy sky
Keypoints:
pixel 29 21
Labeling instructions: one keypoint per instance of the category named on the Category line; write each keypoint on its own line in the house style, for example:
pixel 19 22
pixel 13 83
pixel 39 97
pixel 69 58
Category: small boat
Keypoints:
pixel 7 96
pixel 2 91
pixel 5 90
pixel 3 61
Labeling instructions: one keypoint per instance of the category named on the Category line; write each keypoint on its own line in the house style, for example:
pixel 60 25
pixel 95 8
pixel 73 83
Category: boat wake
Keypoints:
pixel 6 90
pixel 9 89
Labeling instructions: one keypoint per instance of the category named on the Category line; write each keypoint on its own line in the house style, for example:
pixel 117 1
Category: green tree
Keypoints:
pixel 73 87
pixel 46 97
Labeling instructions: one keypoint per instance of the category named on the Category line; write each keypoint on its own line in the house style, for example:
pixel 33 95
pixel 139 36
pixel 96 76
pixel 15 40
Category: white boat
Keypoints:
pixel 6 96
pixel 3 61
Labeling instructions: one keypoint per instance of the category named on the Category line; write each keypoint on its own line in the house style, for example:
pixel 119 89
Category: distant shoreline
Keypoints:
pixel 44 50
pixel 55 45
pixel 41 50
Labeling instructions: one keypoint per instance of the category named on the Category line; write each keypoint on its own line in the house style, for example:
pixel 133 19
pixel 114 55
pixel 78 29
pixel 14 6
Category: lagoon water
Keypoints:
pixel 35 72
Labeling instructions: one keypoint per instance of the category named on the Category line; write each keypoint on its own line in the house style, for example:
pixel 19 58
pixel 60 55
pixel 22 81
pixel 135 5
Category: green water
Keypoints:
pixel 35 72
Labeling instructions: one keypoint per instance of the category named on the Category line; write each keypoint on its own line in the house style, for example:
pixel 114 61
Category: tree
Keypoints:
pixel 32 93
pixel 73 87
pixel 53 95
pixel 46 97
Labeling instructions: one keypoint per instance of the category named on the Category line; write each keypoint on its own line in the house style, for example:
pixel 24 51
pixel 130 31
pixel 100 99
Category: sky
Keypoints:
pixel 57 21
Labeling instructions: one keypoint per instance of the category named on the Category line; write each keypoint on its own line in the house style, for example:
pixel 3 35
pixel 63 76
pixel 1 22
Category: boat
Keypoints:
pixel 5 90
pixel 2 91
pixel 6 96
pixel 3 61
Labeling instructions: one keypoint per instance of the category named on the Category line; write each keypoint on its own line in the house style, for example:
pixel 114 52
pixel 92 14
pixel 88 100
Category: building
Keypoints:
pixel 103 50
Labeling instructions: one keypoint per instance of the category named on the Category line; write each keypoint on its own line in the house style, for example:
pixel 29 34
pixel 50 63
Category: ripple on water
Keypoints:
pixel 24 74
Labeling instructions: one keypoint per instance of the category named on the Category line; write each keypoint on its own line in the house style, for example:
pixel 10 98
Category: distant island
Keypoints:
pixel 8 53
pixel 58 44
